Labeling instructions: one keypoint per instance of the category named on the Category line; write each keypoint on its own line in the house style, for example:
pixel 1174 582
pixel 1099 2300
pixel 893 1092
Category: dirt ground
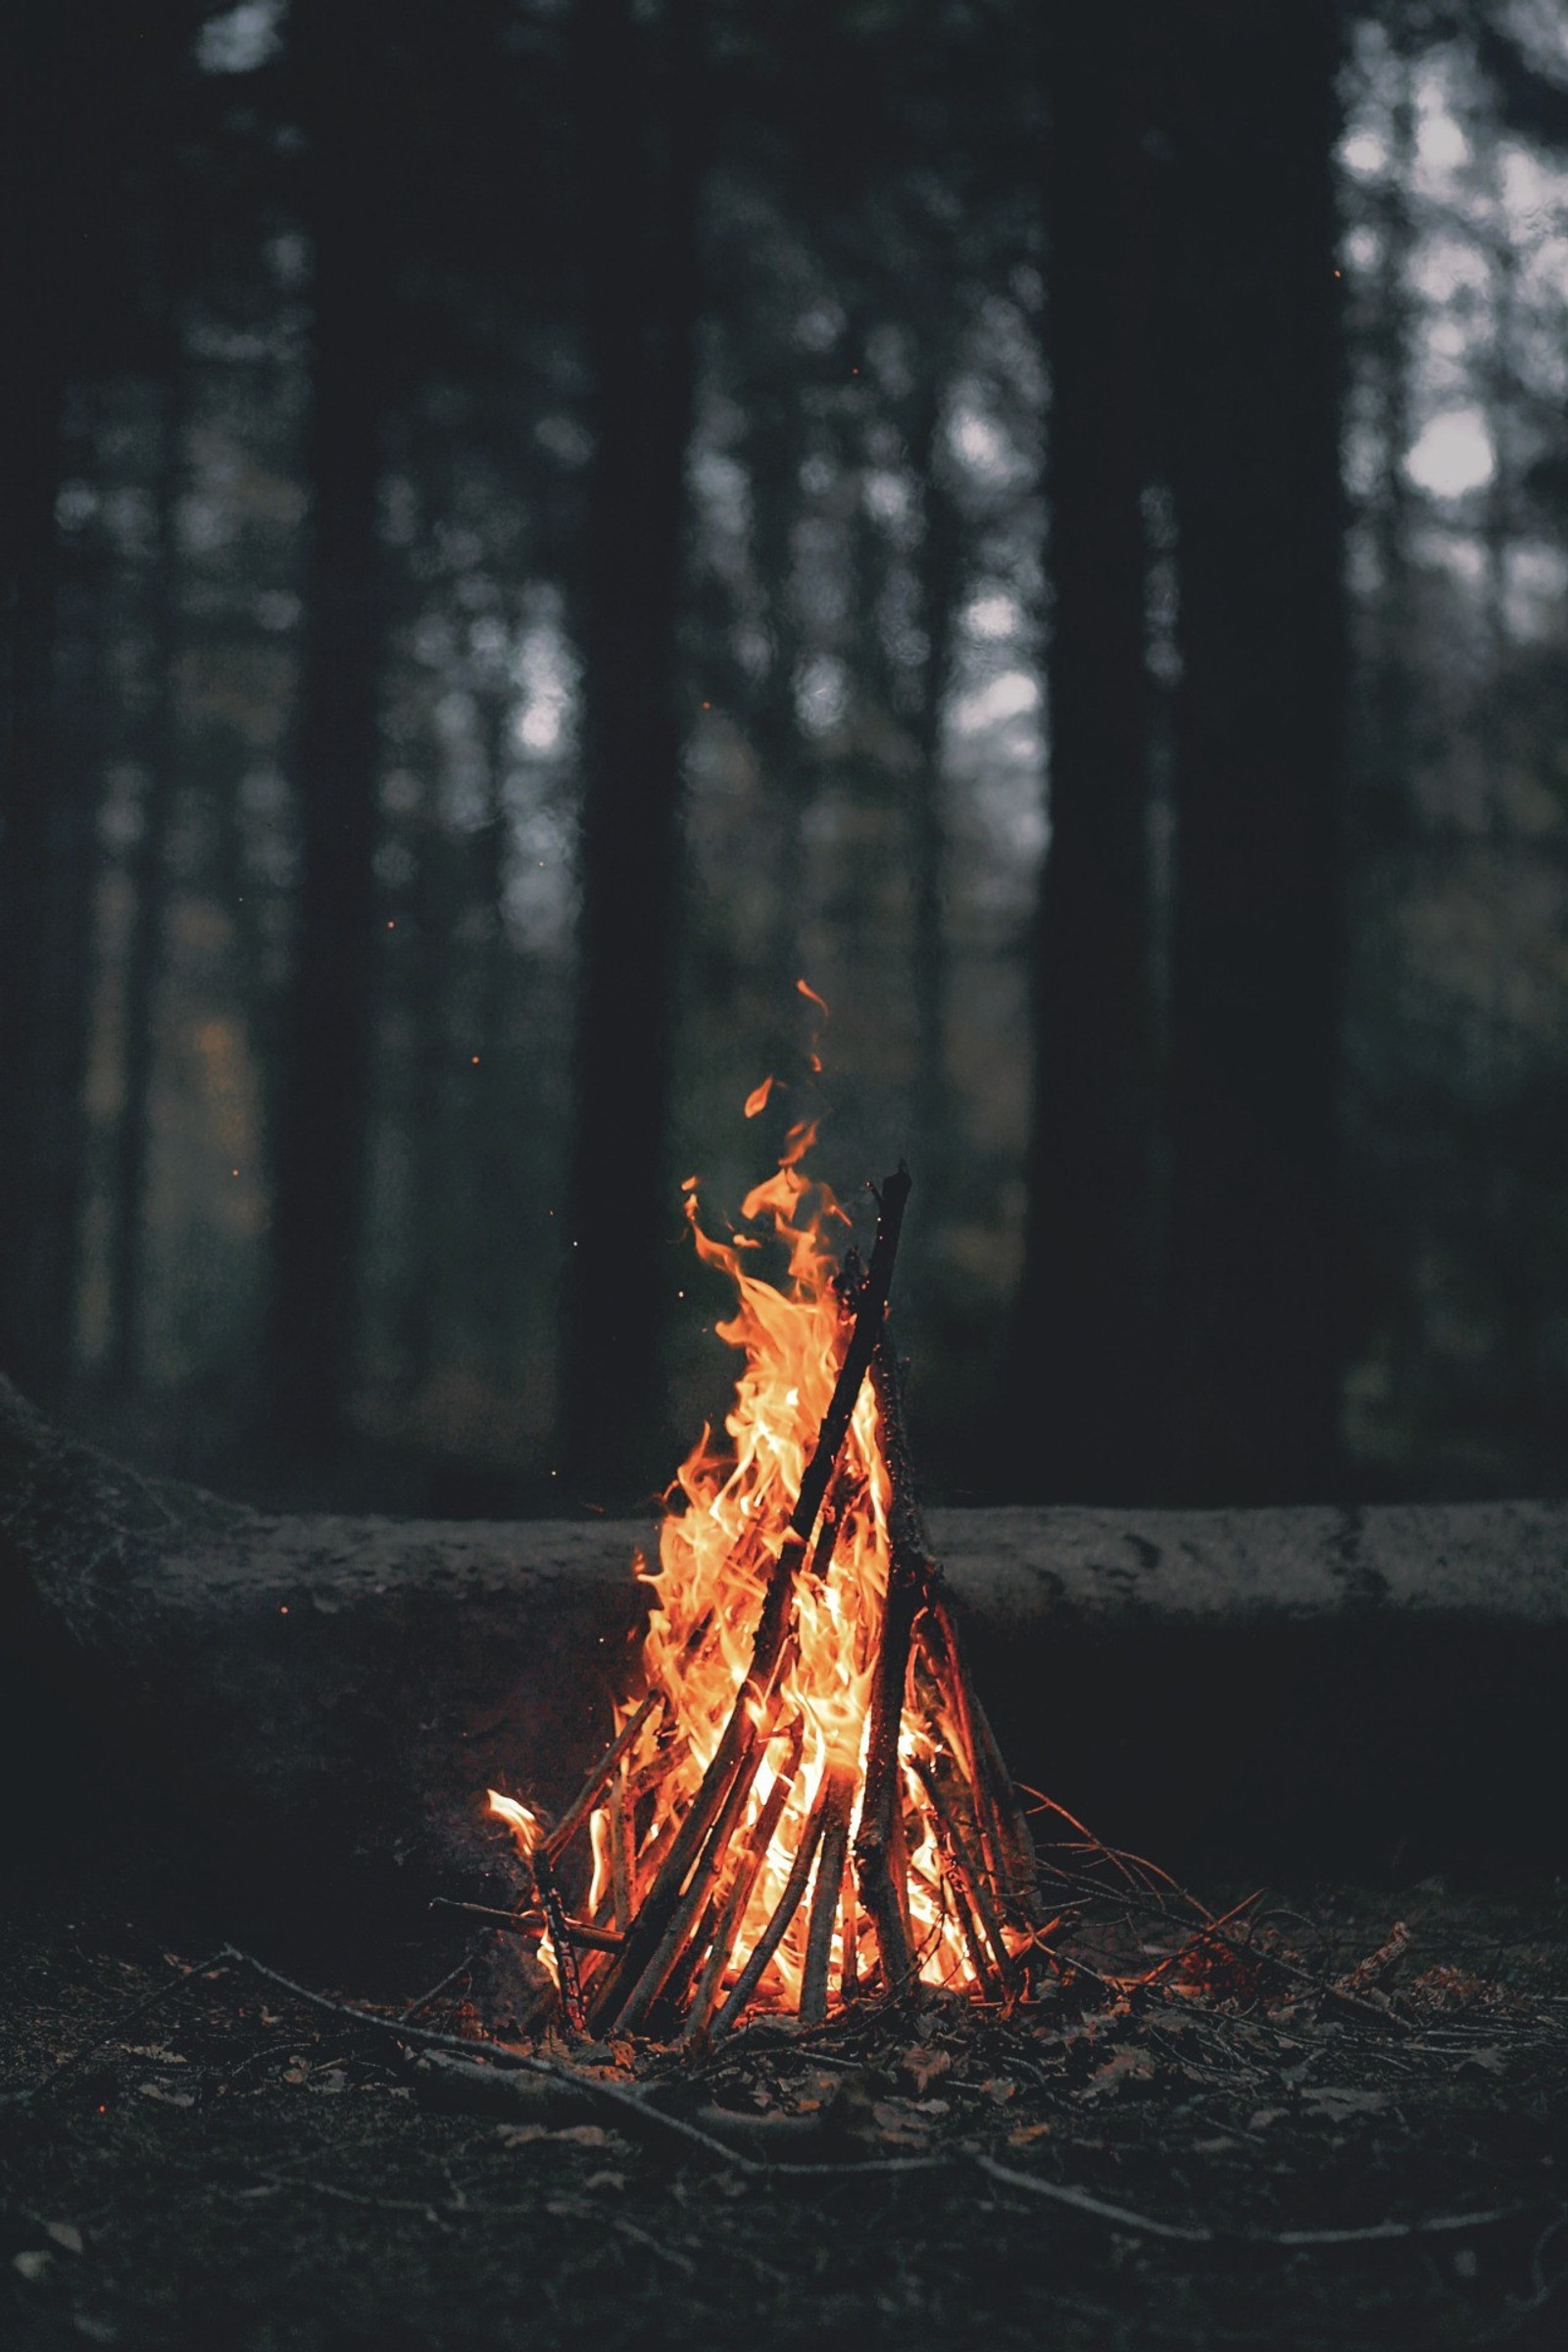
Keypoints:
pixel 229 2167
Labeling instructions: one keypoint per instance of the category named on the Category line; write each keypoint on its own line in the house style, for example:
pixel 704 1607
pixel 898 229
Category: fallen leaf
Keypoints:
pixel 167 2098
pixel 1334 2104
pixel 1489 2061
pixel 1107 2080
pixel 1000 2089
pixel 1261 2118
pixel 896 2120
pixel 922 2066
pixel 1026 2132
pixel 606 2180
pixel 33 2263
pixel 67 2234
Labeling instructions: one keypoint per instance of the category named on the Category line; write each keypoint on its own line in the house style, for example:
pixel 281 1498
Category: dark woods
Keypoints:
pixel 530 525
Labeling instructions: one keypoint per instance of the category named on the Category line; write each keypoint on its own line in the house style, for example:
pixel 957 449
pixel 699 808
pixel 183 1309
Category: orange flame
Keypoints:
pixel 757 1100
pixel 528 1831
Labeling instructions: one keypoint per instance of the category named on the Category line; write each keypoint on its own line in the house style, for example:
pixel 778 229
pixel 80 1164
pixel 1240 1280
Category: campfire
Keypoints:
pixel 804 1805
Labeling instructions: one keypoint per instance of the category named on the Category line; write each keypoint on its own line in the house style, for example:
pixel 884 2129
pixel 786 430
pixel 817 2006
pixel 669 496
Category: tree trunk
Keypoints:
pixel 641 109
pixel 34 1332
pixel 315 1706
pixel 323 1101
pixel 1250 1353
pixel 149 873
pixel 1075 1420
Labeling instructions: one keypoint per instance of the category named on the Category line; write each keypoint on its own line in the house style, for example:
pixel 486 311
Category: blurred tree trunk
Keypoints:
pixel 1381 808
pixel 1074 1423
pixel 773 456
pixel 318 1183
pixel 149 882
pixel 640 93
pixel 1250 1346
pixel 493 1261
pixel 48 232
pixel 428 928
pixel 941 580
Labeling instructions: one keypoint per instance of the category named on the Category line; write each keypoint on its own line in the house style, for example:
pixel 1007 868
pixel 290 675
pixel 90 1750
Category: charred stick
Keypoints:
pixel 839 1788
pixel 747 1870
pixel 772 1935
pixel 909 1576
pixel 588 1796
pixel 625 1739
pixel 881 1802
pixel 826 1541
pixel 850 1970
pixel 555 1911
pixel 622 1856
pixel 869 1315
pixel 1004 1824
pixel 529 1923
pixel 975 1897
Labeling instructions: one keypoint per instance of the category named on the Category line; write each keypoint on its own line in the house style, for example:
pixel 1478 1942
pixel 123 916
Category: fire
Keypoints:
pixel 728 1506
pixel 715 1553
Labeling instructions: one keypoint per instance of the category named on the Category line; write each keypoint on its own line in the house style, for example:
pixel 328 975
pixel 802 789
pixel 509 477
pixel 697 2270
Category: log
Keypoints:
pixel 312 1707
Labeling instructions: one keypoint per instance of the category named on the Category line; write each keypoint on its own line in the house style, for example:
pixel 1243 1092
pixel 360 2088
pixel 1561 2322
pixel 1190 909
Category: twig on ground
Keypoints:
pixel 1122 2216
pixel 111 2031
pixel 450 1976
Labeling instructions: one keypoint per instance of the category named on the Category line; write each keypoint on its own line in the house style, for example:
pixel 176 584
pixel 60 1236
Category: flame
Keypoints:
pixel 757 1100
pixel 726 1512
pixel 530 1831
pixel 527 1827
pixel 725 1520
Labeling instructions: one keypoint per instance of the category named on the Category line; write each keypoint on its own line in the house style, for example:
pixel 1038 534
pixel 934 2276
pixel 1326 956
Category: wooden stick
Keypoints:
pixel 587 1796
pixel 623 1858
pixel 839 1787
pixel 879 1839
pixel 733 1908
pixel 555 1911
pixel 969 1884
pixel 850 1938
pixel 529 1923
pixel 789 1903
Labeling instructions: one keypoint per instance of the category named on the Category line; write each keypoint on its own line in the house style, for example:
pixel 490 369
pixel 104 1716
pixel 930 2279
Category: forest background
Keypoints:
pixel 530 525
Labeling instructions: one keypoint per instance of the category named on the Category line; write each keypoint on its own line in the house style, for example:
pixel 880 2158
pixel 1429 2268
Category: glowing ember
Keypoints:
pixel 760 1755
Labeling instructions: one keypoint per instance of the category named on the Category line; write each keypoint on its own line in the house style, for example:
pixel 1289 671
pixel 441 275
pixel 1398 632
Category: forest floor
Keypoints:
pixel 231 2167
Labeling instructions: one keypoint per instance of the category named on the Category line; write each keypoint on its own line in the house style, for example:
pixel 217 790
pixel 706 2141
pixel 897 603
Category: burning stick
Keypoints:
pixel 588 1796
pixel 838 1789
pixel 881 1802
pixel 789 1903
pixel 739 1895
pixel 968 1885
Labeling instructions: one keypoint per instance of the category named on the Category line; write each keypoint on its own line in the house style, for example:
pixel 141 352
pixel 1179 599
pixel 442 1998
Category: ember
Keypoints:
pixel 806 1802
